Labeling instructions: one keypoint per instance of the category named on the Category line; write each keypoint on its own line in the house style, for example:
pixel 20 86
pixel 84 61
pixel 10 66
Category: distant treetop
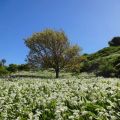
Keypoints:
pixel 114 42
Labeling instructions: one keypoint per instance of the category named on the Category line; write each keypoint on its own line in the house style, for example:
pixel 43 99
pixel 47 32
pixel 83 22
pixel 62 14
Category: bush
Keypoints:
pixel 106 70
pixel 23 67
pixel 117 66
pixel 12 68
pixel 89 66
pixel 106 66
pixel 3 71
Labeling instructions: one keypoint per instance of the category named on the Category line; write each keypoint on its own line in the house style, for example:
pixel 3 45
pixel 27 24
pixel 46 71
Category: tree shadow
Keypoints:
pixel 32 76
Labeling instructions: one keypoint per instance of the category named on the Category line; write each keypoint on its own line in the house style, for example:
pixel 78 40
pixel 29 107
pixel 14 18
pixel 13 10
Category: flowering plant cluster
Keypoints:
pixel 80 98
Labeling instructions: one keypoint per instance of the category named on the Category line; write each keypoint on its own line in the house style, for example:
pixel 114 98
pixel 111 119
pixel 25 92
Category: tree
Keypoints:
pixel 115 41
pixel 3 62
pixel 50 49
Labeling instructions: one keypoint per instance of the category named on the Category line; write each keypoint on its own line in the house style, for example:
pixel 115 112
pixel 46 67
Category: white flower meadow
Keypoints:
pixel 81 98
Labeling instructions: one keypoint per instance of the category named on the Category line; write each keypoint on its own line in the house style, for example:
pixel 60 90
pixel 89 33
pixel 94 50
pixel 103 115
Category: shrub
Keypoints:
pixel 3 71
pixel 23 67
pixel 117 66
pixel 12 68
pixel 107 66
pixel 89 66
pixel 106 70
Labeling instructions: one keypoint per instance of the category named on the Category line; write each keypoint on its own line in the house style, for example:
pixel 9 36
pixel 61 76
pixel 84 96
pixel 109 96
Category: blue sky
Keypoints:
pixel 88 23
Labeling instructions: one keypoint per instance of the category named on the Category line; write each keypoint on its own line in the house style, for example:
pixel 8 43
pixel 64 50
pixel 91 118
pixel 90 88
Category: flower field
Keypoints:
pixel 74 98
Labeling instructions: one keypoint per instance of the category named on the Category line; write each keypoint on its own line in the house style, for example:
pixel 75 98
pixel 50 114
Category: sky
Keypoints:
pixel 87 23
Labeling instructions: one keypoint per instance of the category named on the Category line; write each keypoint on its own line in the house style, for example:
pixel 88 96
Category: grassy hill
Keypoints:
pixel 105 62
pixel 107 52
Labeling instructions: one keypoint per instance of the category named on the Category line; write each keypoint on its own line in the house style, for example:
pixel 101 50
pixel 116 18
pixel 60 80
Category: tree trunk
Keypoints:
pixel 57 72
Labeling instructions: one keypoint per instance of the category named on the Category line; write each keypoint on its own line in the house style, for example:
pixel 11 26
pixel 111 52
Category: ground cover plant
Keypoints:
pixel 80 97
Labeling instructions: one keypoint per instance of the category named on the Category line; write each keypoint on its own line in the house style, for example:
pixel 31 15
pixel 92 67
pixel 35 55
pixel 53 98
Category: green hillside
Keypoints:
pixel 105 53
pixel 105 62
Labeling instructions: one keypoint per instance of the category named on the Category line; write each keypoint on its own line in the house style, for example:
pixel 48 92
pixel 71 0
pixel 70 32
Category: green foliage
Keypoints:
pixel 23 67
pixel 105 62
pixel 3 71
pixel 106 69
pixel 12 68
pixel 89 66
pixel 108 51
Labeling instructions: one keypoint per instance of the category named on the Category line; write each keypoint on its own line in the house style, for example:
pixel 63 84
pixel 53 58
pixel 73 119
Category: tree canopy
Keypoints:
pixel 2 62
pixel 50 49
pixel 115 41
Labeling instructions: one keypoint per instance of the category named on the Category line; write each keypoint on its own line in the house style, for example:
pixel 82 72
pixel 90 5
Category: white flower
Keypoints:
pixel 71 117
pixel 84 112
pixel 113 118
